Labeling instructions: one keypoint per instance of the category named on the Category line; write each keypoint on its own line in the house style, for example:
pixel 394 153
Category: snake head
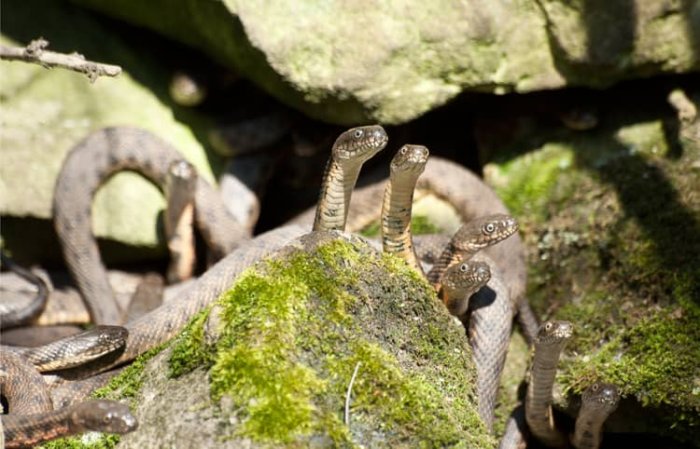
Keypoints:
pixel 410 158
pixel 484 231
pixel 104 416
pixel 554 332
pixel 360 143
pixel 602 396
pixel 181 169
pixel 461 281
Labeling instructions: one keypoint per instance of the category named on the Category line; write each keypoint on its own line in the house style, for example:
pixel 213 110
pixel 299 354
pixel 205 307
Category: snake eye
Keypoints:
pixel 403 150
pixel 358 133
pixel 463 268
pixel 548 326
pixel 490 227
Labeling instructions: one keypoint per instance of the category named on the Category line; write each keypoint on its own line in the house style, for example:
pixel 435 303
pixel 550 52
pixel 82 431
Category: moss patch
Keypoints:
pixel 611 220
pixel 295 328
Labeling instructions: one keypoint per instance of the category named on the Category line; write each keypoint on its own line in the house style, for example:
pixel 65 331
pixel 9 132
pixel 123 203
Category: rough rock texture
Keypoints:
pixel 45 112
pixel 611 220
pixel 291 332
pixel 351 62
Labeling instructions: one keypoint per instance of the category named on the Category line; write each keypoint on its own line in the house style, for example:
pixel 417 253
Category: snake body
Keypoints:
pixel 549 343
pixel 16 316
pixel 18 385
pixel 73 350
pixel 406 166
pixel 352 149
pixel 99 415
pixel 88 165
pixel 598 402
pixel 178 219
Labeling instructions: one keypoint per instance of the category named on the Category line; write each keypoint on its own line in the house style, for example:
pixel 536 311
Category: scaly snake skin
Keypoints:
pixel 406 166
pixel 352 149
pixel 178 219
pixel 73 350
pixel 460 282
pixel 12 316
pixel 597 403
pixel 549 343
pixel 88 165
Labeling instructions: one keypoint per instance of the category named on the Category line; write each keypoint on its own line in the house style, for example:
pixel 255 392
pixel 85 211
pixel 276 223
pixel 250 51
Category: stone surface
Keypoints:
pixel 351 62
pixel 611 219
pixel 278 373
pixel 45 112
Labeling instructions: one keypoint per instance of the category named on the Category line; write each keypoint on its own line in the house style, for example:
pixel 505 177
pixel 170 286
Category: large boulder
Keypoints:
pixel 46 112
pixel 277 368
pixel 611 220
pixel 349 62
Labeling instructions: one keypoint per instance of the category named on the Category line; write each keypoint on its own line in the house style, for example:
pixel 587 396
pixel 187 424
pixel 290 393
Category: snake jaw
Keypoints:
pixel 104 416
pixel 360 143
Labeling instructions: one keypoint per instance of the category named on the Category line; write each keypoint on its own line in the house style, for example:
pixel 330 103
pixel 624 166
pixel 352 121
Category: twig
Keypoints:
pixel 347 395
pixel 36 52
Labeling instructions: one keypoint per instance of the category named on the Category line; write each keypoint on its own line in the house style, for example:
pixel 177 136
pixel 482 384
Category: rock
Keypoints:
pixel 293 330
pixel 352 63
pixel 611 219
pixel 45 112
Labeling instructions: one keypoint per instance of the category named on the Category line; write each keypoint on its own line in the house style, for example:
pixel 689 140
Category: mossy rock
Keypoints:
pixel 291 333
pixel 611 221
pixel 46 112
pixel 392 62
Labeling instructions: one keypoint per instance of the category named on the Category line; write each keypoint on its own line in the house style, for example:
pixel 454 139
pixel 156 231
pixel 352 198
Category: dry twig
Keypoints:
pixel 35 52
pixel 347 395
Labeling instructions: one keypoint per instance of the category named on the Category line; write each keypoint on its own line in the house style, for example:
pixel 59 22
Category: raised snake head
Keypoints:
pixel 601 396
pixel 410 158
pixel 360 143
pixel 554 333
pixel 484 231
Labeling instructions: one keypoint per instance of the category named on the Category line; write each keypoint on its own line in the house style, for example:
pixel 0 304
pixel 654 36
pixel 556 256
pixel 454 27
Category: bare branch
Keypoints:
pixel 35 52
pixel 347 395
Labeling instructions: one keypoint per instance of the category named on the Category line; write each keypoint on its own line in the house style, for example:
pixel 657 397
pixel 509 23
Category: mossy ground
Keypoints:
pixel 295 329
pixel 611 219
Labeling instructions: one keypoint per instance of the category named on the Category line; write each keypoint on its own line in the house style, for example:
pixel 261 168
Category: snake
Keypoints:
pixel 350 151
pixel 91 162
pixel 98 415
pixel 597 403
pixel 13 316
pixel 180 185
pixel 74 350
pixel 406 166
pixel 549 344
pixel 460 282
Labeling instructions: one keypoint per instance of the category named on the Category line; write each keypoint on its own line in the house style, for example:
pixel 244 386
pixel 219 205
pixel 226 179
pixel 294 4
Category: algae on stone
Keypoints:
pixel 611 220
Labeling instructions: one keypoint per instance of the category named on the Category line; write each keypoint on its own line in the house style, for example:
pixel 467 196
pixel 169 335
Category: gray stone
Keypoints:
pixel 351 62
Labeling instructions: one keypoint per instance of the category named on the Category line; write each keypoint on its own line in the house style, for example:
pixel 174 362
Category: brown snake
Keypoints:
pixel 352 149
pixel 549 343
pixel 406 166
pixel 16 316
pixel 97 414
pixel 87 166
pixel 597 403
pixel 178 218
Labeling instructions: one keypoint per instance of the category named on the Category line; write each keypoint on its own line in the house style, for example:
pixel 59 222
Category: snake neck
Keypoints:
pixel 30 430
pixel 338 182
pixel 538 400
pixel 589 425
pixel 396 219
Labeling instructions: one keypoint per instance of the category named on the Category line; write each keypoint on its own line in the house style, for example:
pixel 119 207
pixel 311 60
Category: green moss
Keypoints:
pixel 189 349
pixel 294 330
